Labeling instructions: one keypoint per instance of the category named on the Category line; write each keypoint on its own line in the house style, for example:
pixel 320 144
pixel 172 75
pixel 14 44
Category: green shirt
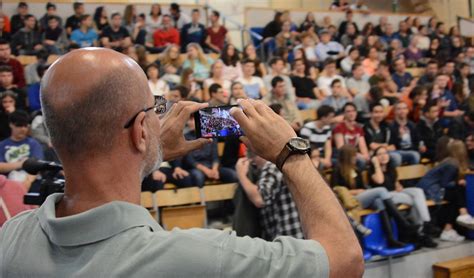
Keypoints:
pixel 121 239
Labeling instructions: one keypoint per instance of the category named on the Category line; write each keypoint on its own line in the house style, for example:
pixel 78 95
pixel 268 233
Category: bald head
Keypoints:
pixel 88 95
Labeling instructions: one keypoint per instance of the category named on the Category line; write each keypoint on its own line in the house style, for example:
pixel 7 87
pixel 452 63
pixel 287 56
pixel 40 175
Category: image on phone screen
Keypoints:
pixel 216 122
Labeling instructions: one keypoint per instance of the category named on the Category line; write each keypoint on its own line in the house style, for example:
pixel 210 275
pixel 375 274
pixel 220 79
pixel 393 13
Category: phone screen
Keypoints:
pixel 216 122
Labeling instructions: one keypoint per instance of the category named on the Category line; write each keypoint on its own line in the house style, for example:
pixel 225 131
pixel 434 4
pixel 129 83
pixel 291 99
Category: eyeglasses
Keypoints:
pixel 159 108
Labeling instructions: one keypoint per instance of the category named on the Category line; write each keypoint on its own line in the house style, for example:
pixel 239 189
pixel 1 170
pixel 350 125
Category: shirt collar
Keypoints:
pixel 92 225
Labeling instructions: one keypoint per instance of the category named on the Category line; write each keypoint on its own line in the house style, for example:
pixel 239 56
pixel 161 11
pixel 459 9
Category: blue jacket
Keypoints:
pixel 442 175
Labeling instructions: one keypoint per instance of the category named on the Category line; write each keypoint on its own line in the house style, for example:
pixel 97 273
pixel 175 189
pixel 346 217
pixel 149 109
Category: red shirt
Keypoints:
pixel 12 193
pixel 217 38
pixel 163 37
pixel 351 136
pixel 18 73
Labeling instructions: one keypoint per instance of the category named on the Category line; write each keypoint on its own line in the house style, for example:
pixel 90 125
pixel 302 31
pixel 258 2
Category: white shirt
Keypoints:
pixel 160 88
pixel 324 83
pixel 253 86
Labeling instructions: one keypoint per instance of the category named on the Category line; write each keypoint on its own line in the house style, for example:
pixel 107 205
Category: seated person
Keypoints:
pixel 17 148
pixel 34 102
pixel 327 48
pixel 327 77
pixel 349 132
pixel 8 106
pixel 308 95
pixel 277 66
pixel 430 129
pixel 157 86
pixel 218 97
pixel 347 175
pixel 446 177
pixel 364 101
pixel 390 88
pixel 289 110
pixel 376 131
pixel 6 59
pixel 85 36
pixel 177 93
pixel 382 173
pixel 357 84
pixel 169 172
pixel 253 85
pixel 197 61
pixel 6 84
pixel 401 77
pixel 203 164
pixel 405 137
pixel 115 36
pixel 319 134
pixel 27 41
pixel 336 100
pixel 193 32
pixel 446 100
pixel 166 35
pixel 54 36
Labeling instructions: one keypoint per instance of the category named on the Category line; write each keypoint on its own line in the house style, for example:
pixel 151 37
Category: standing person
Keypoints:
pixel 382 173
pixel 115 36
pixel 6 59
pixel 217 35
pixel 349 132
pixel 319 134
pixel 74 21
pixel 132 136
pixel 17 21
pixel 278 213
pixel 85 36
pixel 193 32
pixel 446 177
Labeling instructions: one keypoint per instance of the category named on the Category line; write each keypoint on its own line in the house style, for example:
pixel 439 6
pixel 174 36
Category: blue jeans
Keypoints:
pixel 226 175
pixel 409 157
pixel 373 198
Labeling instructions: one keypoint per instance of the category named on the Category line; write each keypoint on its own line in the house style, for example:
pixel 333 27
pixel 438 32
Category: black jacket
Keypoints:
pixel 429 135
pixel 397 140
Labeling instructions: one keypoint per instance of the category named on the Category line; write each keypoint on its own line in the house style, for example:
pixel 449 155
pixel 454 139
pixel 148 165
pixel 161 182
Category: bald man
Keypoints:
pixel 104 125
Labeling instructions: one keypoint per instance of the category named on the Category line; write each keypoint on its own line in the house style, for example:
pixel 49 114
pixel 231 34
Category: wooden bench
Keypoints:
pixel 459 268
pixel 308 115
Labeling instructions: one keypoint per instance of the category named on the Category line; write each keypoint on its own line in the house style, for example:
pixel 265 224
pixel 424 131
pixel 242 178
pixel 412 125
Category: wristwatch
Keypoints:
pixel 295 145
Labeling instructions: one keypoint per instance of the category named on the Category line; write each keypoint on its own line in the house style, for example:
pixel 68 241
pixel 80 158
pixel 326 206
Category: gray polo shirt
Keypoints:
pixel 121 239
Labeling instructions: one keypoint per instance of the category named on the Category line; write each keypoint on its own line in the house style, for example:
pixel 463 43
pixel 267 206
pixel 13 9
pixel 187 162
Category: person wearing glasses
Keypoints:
pixel 109 135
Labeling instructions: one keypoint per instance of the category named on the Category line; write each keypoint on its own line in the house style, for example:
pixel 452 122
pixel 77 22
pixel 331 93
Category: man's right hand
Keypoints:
pixel 242 167
pixel 266 133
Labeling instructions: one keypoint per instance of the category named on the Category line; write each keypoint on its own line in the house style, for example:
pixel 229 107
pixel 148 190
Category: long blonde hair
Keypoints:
pixel 167 60
pixel 128 16
pixel 201 56
pixel 457 151
pixel 346 163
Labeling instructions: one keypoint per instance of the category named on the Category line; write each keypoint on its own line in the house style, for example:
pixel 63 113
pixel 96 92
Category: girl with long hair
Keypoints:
pixel 231 58
pixel 198 61
pixel 188 81
pixel 250 53
pixel 100 19
pixel 347 175
pixel 129 17
pixel 216 77
pixel 445 181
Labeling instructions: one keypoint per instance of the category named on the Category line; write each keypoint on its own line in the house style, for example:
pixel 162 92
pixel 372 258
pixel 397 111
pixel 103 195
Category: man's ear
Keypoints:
pixel 139 133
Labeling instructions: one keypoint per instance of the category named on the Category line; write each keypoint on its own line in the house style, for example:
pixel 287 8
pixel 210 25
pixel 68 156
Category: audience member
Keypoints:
pixel 166 34
pixel 74 21
pixel 289 110
pixel 54 37
pixel 27 41
pixel 129 18
pixel 217 77
pixel 352 58
pixel 251 54
pixel 198 61
pixel 358 84
pixel 217 96
pixel 158 87
pixel 371 63
pixel 319 134
pixel 431 70
pixel 4 35
pixel 347 22
pixel 273 27
pixel 31 70
pixel 430 129
pixel 308 95
pixel 400 76
pixel 101 19
pixel 177 94
pixel 193 32
pixel 155 20
pixel 328 75
pixel 115 36
pixel 327 48
pixel 50 11
pixel 6 83
pixel 231 58
pixel 8 106
pixel 340 6
pixel 17 21
pixel 217 35
pixel 286 38
pixel 253 85
pixel 277 66
pixel 237 92
pixel 376 131
pixel 179 19
pixel 269 192
pixel 85 36
pixel 336 100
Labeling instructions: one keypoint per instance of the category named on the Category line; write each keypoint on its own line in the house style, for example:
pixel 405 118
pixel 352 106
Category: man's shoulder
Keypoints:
pixel 24 221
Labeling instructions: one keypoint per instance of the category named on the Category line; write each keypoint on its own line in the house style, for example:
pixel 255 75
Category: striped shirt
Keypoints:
pixel 317 137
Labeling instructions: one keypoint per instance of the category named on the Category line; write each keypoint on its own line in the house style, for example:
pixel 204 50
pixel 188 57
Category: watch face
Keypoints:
pixel 299 143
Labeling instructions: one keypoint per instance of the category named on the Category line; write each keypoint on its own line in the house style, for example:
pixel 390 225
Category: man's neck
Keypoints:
pixel 17 139
pixel 374 124
pixel 350 124
pixel 319 124
pixel 115 28
pixel 84 29
pixel 401 121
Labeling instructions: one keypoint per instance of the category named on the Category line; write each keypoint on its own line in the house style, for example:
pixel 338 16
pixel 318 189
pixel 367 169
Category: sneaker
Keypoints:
pixel 451 235
pixel 363 230
pixel 427 241
pixel 466 220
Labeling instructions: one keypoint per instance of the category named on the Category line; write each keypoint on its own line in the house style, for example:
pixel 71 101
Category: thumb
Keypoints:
pixel 196 144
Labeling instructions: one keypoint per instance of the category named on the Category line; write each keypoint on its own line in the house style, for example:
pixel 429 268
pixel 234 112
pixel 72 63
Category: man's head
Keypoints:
pixel 377 112
pixel 237 91
pixel 166 21
pixel 6 76
pixel 330 66
pixel 215 15
pixel 349 15
pixel 464 69
pixel 195 16
pixel 178 93
pixel 357 71
pixel 30 21
pixel 440 28
pixel 299 66
pixel 399 65
pixel 78 8
pixel 53 22
pixel 389 29
pixel 336 88
pixel 22 8
pixel 382 69
pixel 114 105
pixel 403 26
pixel 174 9
pixel 325 36
pixel 326 114
pixel 401 111
pixel 375 94
pixel 8 100
pixel 350 112
pixel 449 67
pixel 277 64
pixel 5 50
pixel 442 81
pixel 50 8
pixel 19 122
pixel 431 111
pixel 248 67
pixel 431 68
pixel 116 20
pixel 278 86
pixel 350 29
pixel 86 21
pixel 217 93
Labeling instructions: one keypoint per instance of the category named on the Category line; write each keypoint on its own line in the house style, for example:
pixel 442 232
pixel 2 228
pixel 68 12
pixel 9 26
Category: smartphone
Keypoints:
pixel 216 122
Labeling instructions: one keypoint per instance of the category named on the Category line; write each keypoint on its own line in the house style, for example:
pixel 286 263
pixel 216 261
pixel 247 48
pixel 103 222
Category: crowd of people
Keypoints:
pixel 372 113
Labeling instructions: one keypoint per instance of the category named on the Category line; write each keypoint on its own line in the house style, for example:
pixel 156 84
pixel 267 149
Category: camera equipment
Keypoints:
pixel 50 183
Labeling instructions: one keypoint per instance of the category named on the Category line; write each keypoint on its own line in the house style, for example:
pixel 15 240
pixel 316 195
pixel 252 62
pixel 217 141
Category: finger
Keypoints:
pixel 189 108
pixel 240 117
pixel 249 108
pixel 260 107
pixel 196 144
pixel 246 141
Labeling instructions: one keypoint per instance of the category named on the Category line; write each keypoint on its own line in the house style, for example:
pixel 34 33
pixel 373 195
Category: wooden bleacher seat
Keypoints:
pixel 459 268
pixel 169 186
pixel 219 192
pixel 146 200
pixel 184 217
pixel 213 56
pixel 52 58
pixel 26 59
pixel 308 115
pixel 411 172
pixel 182 196
pixel 152 57
pixel 416 72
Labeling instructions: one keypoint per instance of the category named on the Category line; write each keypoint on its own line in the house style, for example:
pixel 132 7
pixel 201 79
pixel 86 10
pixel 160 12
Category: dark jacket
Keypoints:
pixel 369 133
pixel 191 33
pixel 429 135
pixel 206 155
pixel 444 174
pixel 25 40
pixel 397 140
